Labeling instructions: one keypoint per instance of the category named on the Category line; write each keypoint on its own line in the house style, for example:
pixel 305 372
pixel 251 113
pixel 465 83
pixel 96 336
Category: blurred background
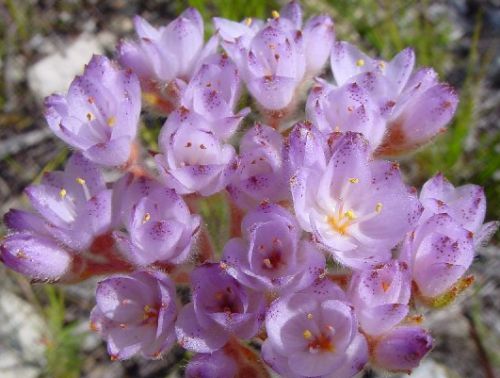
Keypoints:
pixel 43 44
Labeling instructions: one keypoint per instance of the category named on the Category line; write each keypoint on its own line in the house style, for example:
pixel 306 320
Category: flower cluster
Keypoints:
pixel 332 256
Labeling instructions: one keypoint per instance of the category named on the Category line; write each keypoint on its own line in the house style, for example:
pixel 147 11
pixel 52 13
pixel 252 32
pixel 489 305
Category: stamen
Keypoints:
pixel 385 286
pixel 307 335
pixel 62 193
pixel 150 98
pixel 360 62
pixel 378 207
pixel 354 180
pixel 86 191
pixel 149 312
pixel 350 214
pixel 111 121
pixel 90 116
pixel 267 263
pixel 146 218
pixel 248 21
pixel 275 14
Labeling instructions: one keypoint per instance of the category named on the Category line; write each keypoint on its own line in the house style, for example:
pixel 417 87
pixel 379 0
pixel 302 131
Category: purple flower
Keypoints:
pixel 127 191
pixel 36 256
pixel 100 113
pixel 346 108
pixel 305 147
pixel 401 349
pixel 193 158
pixel 73 206
pixel 314 333
pixel 270 256
pixel 356 208
pixel 260 173
pixel 216 364
pixel 380 296
pixel 347 62
pixel 439 252
pixel 213 93
pixel 274 66
pixel 274 57
pixel 220 308
pixel 465 204
pixel 319 36
pixel 166 53
pixel 416 106
pixel 136 314
pixel 419 114
pixel 160 227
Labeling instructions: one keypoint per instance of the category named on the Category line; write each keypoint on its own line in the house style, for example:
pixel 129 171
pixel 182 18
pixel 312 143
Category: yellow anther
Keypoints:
pixel 90 116
pixel 350 214
pixel 62 193
pixel 385 286
pixel 360 62
pixel 111 121
pixel 381 65
pixel 354 180
pixel 378 207
pixel 309 316
pixel 146 218
pixel 267 263
pixel 80 181
pixel 275 14
pixel 149 312
pixel 248 21
pixel 150 98
pixel 307 334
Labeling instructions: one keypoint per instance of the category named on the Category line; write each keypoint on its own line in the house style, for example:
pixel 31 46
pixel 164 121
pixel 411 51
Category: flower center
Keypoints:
pixel 150 314
pixel 225 302
pixel 318 343
pixel 272 261
pixel 341 221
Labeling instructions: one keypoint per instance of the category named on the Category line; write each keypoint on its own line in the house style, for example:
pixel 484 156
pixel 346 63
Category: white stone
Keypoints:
pixel 55 72
pixel 21 335
pixel 431 369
